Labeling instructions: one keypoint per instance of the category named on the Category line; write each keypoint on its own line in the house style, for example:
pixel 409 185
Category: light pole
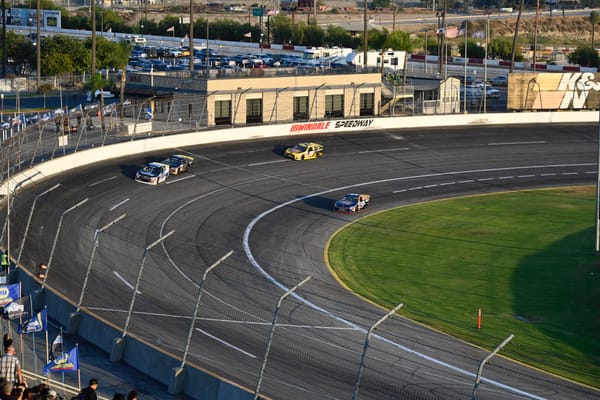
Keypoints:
pixel 142 27
pixel 56 237
pixel 139 278
pixel 29 220
pixel 89 268
pixel 366 346
pixel 2 115
pixel 200 287
pixel 484 361
pixel 275 315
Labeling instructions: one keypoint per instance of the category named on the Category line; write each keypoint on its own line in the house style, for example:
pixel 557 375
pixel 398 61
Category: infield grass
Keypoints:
pixel 525 258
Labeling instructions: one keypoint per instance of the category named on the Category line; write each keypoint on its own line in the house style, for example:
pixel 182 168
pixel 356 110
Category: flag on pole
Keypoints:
pixel 171 29
pixel 39 323
pixel 452 32
pixel 479 34
pixel 9 293
pixel 66 362
pixel 20 308
pixel 57 347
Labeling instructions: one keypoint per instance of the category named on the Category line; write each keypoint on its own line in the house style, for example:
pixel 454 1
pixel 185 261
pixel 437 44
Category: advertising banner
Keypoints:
pixel 553 91
pixel 28 17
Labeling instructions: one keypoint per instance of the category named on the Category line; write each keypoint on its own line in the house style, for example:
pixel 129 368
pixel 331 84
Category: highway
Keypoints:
pixel 275 214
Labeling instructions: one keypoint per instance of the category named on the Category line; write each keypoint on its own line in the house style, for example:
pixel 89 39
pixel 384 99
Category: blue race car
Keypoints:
pixel 352 203
pixel 178 163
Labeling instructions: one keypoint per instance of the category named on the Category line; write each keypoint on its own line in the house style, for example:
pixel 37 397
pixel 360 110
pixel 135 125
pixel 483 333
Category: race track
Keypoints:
pixel 276 215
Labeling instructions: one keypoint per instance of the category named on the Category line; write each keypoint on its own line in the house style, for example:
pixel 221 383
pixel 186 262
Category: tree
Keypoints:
pixel 376 38
pixel 168 22
pixel 399 41
pixel 594 19
pixel 314 35
pixel 474 50
pixel 63 54
pixel 380 3
pixel 338 36
pixel 500 47
pixel 281 29
pixel 21 51
pixel 586 56
pixel 110 54
pixel 298 32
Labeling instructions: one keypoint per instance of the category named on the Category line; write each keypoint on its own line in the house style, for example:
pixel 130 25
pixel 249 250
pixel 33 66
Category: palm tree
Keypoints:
pixel 594 19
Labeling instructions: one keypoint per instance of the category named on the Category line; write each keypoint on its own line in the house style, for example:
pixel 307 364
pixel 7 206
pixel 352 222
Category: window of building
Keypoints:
pixel 223 112
pixel 254 111
pixel 334 105
pixel 367 104
pixel 301 108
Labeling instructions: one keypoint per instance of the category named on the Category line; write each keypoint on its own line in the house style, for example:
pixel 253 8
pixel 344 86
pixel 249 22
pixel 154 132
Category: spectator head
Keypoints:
pixel 11 349
pixel 16 393
pixel 51 394
pixel 133 395
pixel 7 387
pixel 93 382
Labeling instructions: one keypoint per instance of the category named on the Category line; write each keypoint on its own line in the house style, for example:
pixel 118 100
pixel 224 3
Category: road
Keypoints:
pixel 276 216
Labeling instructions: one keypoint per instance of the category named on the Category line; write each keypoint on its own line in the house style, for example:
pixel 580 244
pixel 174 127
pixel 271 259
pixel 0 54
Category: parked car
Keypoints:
pixel 492 93
pixel 500 80
pixel 104 93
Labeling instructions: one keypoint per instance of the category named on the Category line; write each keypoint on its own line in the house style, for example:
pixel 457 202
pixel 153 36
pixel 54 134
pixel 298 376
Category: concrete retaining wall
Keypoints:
pixel 72 161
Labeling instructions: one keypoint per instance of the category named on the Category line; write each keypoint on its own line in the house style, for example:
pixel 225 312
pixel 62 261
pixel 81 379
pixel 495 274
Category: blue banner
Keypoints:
pixel 39 323
pixel 65 362
pixel 9 293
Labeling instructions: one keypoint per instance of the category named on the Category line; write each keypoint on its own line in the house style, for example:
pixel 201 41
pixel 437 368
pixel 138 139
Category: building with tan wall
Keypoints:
pixel 289 99
pixel 260 97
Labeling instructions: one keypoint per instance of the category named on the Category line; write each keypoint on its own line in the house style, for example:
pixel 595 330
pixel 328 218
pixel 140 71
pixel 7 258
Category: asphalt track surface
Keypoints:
pixel 276 215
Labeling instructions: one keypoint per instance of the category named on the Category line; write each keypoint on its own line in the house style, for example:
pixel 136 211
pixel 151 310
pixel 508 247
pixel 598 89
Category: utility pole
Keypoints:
pixel 93 37
pixel 4 56
pixel 191 37
pixel 365 35
pixel 38 48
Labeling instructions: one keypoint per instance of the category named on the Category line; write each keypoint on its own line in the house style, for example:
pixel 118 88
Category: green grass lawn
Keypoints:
pixel 525 258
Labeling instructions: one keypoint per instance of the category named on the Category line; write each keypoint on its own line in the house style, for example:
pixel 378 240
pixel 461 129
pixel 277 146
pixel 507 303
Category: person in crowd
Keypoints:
pixel 52 395
pixel 17 393
pixel 10 367
pixel 29 394
pixel 89 392
pixel 6 341
pixel 133 395
pixel 6 390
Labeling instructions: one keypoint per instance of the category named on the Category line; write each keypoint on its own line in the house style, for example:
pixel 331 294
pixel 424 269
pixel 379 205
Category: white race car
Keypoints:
pixel 153 173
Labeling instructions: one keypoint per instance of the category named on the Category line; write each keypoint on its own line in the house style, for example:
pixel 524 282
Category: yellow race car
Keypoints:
pixel 304 151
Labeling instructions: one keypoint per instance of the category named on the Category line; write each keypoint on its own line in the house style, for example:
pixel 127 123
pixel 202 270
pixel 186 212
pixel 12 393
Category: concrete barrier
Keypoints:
pixel 154 144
